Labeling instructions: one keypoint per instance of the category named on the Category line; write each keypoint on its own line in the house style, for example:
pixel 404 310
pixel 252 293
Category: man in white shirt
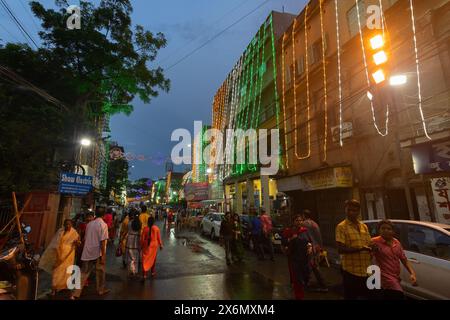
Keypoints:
pixel 94 255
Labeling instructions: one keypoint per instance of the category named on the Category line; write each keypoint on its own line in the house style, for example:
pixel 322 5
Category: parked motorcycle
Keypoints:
pixel 19 266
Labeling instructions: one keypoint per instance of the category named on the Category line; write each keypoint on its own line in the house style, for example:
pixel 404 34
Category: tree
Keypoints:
pixel 117 177
pixel 107 59
pixel 94 71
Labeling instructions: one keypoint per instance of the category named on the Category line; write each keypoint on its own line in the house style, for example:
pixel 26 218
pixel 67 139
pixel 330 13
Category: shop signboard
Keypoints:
pixel 441 199
pixel 75 184
pixel 431 157
pixel 339 177
pixel 196 191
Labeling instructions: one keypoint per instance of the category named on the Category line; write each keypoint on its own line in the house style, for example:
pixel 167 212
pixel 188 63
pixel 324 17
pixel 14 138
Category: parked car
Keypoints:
pixel 211 224
pixel 427 247
pixel 247 233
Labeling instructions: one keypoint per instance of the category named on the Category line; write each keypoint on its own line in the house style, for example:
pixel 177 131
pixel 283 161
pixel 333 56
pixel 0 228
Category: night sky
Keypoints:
pixel 186 24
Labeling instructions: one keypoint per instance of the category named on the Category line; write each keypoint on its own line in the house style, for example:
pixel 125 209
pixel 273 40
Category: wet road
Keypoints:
pixel 193 267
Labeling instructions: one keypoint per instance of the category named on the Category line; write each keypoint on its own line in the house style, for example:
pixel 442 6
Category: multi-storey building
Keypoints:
pixel 344 137
pixel 248 99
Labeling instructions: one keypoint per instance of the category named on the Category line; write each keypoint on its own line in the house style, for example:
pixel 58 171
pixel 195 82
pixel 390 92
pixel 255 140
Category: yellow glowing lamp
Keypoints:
pixel 379 76
pixel 380 57
pixel 377 42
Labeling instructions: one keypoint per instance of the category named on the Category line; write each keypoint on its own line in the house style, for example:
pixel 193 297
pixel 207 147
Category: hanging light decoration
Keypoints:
pixel 338 40
pixel 324 81
pixel 419 86
pixel 283 96
pixel 377 76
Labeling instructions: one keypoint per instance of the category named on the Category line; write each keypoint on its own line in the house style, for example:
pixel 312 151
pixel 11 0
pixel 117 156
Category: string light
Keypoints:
pixel 261 71
pixel 419 86
pixel 368 80
pixel 277 106
pixel 254 124
pixel 283 97
pixel 308 97
pixel 338 39
pixel 234 101
pixel 324 81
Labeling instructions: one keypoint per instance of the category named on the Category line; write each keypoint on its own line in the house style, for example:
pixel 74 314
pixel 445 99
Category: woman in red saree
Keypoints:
pixel 150 241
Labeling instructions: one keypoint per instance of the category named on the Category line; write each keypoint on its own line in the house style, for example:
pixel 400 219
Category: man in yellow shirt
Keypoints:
pixel 143 217
pixel 355 246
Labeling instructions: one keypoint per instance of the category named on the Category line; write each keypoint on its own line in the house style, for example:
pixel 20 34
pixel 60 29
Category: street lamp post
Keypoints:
pixel 85 142
pixel 403 172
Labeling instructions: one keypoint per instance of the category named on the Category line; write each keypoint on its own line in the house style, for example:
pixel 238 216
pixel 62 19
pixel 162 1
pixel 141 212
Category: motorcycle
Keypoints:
pixel 19 267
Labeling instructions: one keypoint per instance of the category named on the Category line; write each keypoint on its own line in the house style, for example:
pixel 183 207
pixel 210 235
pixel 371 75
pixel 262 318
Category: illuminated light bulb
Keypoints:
pixel 377 42
pixel 363 49
pixel 398 80
pixel 369 95
pixel 378 76
pixel 380 57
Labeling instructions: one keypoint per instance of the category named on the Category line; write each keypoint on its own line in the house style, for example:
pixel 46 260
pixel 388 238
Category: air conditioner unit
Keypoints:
pixel 347 131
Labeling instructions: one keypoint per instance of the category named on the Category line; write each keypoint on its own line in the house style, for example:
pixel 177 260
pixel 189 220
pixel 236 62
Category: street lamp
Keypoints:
pixel 85 142
pixel 398 80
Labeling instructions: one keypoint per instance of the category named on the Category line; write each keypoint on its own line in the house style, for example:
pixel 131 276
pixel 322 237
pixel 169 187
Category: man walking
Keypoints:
pixel 355 246
pixel 226 235
pixel 94 255
pixel 256 229
pixel 266 224
pixel 316 238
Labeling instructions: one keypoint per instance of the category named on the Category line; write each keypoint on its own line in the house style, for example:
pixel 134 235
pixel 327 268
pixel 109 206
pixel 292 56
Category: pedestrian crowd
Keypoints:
pixel 85 242
pixel 85 246
pixel 303 246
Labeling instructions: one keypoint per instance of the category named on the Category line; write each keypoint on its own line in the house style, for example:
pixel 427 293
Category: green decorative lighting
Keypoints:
pixel 275 83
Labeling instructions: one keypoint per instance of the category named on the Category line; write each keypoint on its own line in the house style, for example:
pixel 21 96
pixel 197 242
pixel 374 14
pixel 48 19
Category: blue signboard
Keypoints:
pixel 76 184
pixel 431 157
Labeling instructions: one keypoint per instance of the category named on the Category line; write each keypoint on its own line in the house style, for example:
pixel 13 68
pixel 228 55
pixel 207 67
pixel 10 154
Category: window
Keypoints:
pixel 316 52
pixel 301 65
pixel 428 241
pixel 352 18
pixel 288 76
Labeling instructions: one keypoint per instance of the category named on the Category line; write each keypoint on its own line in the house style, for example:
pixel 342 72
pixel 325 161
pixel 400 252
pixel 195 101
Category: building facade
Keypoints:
pixel 343 136
pixel 248 99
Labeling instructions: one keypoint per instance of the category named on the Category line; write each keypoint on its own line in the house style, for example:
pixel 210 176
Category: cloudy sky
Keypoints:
pixel 187 24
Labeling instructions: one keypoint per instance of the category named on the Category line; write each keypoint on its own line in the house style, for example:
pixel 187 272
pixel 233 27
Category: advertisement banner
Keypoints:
pixel 196 191
pixel 441 199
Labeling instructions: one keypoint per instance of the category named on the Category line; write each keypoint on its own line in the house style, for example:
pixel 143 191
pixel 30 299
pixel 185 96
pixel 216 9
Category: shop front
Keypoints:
pixel 432 165
pixel 251 193
pixel 324 193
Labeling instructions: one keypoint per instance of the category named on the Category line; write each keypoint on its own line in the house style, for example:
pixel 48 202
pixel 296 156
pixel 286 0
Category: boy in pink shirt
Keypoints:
pixel 388 254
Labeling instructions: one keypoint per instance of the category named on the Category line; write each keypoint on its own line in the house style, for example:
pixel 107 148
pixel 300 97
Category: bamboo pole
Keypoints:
pixel 16 211
pixel 20 214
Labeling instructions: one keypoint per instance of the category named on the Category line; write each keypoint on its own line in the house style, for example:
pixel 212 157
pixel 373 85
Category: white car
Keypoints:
pixel 427 247
pixel 210 224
